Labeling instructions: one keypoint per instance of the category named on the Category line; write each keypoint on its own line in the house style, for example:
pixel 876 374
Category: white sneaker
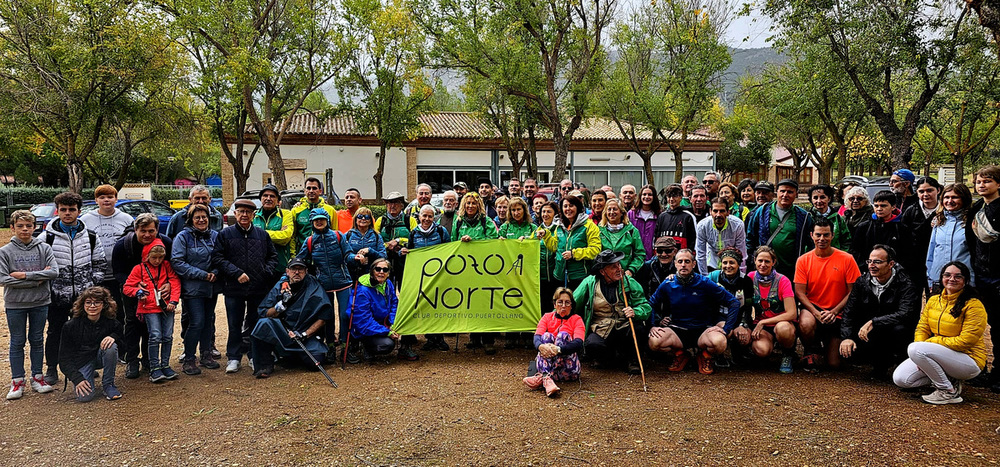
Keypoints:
pixel 233 366
pixel 39 385
pixel 941 397
pixel 181 357
pixel 16 389
pixel 250 362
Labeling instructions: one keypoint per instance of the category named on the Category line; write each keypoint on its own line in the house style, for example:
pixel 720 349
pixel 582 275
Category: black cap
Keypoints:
pixel 483 180
pixel 269 187
pixel 789 182
pixel 764 185
pixel 605 258
pixel 297 263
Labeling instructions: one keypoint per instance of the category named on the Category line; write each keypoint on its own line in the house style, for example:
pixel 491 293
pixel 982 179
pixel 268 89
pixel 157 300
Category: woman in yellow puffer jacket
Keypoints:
pixel 948 344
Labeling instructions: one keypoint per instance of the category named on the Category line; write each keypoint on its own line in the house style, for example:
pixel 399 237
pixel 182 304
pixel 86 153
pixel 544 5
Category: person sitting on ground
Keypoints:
pixel 373 310
pixel 948 345
pixel 884 228
pixel 157 310
pixel 774 311
pixel 823 281
pixel 661 267
pixel 719 231
pixel 558 339
pixel 365 243
pixel 881 313
pixel 27 264
pixel 90 343
pixel 295 308
pixel 428 233
pixel 618 234
pixel 694 320
pixel 607 312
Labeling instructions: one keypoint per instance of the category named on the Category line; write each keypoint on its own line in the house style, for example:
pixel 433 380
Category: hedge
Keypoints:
pixel 164 195
pixel 35 194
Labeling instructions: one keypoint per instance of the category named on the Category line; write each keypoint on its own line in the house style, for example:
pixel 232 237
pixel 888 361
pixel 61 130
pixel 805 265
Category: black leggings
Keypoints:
pixel 378 345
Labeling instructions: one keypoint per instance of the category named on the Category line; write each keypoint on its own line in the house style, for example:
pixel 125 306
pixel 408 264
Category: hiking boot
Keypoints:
pixel 191 367
pixel 723 361
pixel 169 373
pixel 51 377
pixel 474 344
pixel 132 370
pixel 705 364
pixel 431 344
pixel 442 345
pixel 634 368
pixel 352 356
pixel 407 353
pixel 550 386
pixel 156 376
pixel 215 353
pixel 941 397
pixel 490 349
pixel 39 385
pixel 786 365
pixel 810 363
pixel 144 366
pixel 209 362
pixel 681 359
pixel 510 342
pixel 533 382
pixel 16 389
pixel 263 372
pixel 233 366
pixel 111 392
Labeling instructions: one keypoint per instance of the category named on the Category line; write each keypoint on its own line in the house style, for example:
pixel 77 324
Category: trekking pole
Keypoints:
pixel 298 340
pixel 350 324
pixel 635 340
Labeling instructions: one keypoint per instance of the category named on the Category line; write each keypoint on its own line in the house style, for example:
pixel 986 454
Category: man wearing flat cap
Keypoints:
pixel 606 300
pixel 783 226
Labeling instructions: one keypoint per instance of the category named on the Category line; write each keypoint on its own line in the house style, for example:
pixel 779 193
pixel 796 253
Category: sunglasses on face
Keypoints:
pixel 364 217
pixel 565 188
pixel 381 269
pixel 664 251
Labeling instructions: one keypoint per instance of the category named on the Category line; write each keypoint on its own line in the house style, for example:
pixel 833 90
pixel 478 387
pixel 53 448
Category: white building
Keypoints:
pixel 456 146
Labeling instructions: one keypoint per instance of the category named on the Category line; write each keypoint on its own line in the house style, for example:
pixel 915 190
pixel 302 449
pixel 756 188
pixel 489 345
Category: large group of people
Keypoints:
pixel 716 273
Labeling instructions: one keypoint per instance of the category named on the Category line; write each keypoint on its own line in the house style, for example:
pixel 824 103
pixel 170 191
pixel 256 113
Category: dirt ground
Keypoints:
pixel 467 408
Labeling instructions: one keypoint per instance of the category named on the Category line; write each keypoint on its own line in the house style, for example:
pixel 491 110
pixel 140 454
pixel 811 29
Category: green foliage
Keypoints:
pixel 166 194
pixel 746 145
pixel 37 194
pixel 24 175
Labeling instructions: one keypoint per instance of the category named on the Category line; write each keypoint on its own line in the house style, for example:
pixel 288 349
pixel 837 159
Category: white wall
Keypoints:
pixel 353 166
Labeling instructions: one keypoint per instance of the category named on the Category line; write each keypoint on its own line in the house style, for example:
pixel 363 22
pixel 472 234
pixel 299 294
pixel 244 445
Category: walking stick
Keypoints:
pixel 635 340
pixel 298 340
pixel 350 324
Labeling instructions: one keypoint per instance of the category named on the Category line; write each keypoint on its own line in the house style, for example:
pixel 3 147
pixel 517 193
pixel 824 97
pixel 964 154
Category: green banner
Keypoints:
pixel 480 286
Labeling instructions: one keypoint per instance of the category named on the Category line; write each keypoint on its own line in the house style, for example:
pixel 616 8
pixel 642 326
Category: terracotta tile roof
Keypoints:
pixel 463 125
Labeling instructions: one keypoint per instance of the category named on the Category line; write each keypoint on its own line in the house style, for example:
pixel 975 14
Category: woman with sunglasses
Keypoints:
pixel 576 243
pixel 643 216
pixel 373 310
pixel 948 345
pixel 558 339
pixel 426 234
pixel 858 209
pixel 364 242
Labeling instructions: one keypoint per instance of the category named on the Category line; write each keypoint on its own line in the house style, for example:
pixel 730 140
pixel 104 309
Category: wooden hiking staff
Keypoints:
pixel 635 340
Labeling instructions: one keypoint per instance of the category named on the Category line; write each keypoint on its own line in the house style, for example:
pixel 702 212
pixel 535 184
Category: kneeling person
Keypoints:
pixel 694 321
pixel 297 304
pixel 373 311
pixel 606 310
pixel 90 343
pixel 774 311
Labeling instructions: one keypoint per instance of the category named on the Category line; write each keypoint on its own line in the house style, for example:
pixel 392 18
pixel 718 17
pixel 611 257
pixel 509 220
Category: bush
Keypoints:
pixel 164 195
pixel 35 194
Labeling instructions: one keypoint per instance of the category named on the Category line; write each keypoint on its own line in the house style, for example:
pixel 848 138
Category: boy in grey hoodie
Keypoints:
pixel 27 265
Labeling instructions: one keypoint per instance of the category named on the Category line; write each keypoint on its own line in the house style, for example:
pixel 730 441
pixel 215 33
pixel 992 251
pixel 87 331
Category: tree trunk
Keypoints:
pixel 647 165
pixel 74 172
pixel 277 165
pixel 532 154
pixel 516 161
pixel 901 151
pixel 379 172
pixel 678 150
pixel 959 159
pixel 561 144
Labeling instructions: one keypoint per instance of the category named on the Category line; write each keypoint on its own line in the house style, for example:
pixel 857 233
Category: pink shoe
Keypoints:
pixel 534 382
pixel 550 386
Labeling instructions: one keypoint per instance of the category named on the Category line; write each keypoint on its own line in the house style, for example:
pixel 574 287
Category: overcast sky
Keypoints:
pixel 748 32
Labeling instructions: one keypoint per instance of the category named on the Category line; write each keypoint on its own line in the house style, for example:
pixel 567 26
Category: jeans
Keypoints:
pixel 26 324
pixel 161 338
pixel 343 304
pixel 241 314
pixel 106 359
pixel 58 316
pixel 135 331
pixel 931 363
pixel 200 327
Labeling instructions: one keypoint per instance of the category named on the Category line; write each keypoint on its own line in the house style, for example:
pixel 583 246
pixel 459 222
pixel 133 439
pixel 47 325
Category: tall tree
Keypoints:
pixel 274 53
pixel 746 142
pixel 664 83
pixel 383 78
pixel 896 54
pixel 560 45
pixel 68 66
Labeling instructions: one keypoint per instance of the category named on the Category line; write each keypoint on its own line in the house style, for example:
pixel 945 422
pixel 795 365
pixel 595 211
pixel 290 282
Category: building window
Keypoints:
pixel 443 180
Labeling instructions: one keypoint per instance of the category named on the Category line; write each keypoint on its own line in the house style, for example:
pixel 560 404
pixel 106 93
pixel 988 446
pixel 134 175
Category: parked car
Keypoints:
pixel 134 207
pixel 871 185
pixel 43 213
pixel 288 199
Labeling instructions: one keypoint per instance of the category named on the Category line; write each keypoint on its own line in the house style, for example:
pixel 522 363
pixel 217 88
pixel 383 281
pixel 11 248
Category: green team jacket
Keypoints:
pixel 515 231
pixel 584 240
pixel 482 228
pixel 841 232
pixel 584 297
pixel 625 241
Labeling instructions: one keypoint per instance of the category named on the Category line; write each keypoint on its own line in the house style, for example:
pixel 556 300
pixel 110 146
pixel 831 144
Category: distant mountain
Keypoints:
pixel 746 61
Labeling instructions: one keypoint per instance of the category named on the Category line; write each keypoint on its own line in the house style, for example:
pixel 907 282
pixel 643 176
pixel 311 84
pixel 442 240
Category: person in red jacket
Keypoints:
pixel 144 283
pixel 558 338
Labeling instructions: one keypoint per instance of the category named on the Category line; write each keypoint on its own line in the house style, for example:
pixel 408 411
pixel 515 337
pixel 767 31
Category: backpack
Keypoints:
pixel 309 241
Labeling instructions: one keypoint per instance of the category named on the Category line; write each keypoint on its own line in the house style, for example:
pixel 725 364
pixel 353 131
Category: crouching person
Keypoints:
pixel 296 304
pixel 373 310
pixel 90 343
pixel 558 338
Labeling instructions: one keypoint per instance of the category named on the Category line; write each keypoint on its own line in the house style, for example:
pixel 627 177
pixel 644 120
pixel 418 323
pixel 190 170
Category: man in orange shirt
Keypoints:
pixel 824 279
pixel 345 217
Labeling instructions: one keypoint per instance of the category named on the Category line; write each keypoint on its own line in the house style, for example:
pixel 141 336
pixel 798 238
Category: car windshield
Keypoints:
pixel 44 210
pixel 88 208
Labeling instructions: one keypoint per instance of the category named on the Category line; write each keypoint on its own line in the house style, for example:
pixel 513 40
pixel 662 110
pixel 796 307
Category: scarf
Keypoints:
pixel 427 230
pixel 615 228
pixel 685 281
pixel 879 287
pixel 768 278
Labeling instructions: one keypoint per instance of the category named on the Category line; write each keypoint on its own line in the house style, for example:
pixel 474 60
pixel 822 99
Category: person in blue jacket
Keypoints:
pixel 373 311
pixel 365 243
pixel 695 320
pixel 327 252
pixel 191 258
pixel 949 241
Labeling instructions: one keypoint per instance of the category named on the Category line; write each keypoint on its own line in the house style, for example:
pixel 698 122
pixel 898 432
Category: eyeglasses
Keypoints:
pixel 91 304
pixel 709 182
pixel 364 217
pixel 957 277
pixel 311 188
pixel 855 199
pixel 665 251
pixel 876 262
pixel 381 269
